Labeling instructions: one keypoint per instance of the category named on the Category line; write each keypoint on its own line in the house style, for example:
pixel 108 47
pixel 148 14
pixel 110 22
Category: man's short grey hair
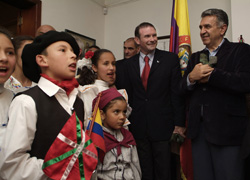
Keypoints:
pixel 133 40
pixel 221 15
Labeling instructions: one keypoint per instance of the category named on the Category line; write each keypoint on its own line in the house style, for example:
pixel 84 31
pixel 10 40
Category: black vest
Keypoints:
pixel 51 117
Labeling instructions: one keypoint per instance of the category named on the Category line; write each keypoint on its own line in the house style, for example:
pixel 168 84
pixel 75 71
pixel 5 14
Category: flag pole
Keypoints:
pixel 94 114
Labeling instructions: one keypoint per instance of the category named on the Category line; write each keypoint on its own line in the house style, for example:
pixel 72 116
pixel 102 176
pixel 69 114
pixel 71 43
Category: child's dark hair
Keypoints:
pixel 105 108
pixel 95 46
pixel 87 76
pixel 7 33
pixel 19 40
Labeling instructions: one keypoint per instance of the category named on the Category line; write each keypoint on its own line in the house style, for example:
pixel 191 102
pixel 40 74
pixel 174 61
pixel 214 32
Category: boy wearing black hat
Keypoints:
pixel 37 115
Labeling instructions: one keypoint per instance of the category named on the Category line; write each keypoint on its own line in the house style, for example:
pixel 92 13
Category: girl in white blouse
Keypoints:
pixel 97 74
pixel 7 65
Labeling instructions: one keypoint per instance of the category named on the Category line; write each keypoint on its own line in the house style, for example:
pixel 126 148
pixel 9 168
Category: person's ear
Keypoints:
pixel 94 68
pixel 41 60
pixel 223 29
pixel 103 116
pixel 137 40
pixel 137 50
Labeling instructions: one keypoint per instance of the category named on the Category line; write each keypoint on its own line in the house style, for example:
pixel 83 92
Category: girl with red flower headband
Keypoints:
pixel 100 77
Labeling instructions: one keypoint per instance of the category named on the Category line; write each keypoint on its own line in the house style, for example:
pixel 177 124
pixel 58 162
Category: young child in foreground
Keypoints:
pixel 37 116
pixel 121 158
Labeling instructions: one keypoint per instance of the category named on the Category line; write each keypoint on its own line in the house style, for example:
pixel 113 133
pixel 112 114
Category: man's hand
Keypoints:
pixel 180 130
pixel 204 80
pixel 200 73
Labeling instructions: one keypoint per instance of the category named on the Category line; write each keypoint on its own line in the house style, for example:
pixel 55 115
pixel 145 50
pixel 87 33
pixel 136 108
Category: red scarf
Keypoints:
pixel 111 142
pixel 67 85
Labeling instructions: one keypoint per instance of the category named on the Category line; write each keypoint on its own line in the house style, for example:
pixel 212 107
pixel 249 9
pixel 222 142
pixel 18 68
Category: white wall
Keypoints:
pixel 196 7
pixel 240 19
pixel 86 17
pixel 121 21
pixel 82 16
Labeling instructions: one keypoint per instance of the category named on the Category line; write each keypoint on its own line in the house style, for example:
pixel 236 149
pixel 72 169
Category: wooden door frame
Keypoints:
pixel 22 4
pixel 29 17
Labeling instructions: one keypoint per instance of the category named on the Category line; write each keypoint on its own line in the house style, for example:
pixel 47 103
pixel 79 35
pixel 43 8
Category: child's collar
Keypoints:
pixel 67 85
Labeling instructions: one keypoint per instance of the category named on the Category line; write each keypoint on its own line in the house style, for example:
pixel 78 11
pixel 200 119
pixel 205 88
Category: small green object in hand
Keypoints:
pixel 177 138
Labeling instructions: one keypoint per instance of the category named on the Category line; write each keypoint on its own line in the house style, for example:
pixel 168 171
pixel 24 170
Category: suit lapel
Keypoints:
pixel 225 48
pixel 223 51
pixel 156 62
pixel 136 69
pixel 136 66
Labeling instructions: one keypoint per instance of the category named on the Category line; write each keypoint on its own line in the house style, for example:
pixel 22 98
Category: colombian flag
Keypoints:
pixel 94 130
pixel 180 42
pixel 72 155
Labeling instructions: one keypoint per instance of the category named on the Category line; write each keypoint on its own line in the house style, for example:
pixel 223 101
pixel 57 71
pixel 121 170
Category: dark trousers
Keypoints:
pixel 215 162
pixel 154 159
pixel 247 168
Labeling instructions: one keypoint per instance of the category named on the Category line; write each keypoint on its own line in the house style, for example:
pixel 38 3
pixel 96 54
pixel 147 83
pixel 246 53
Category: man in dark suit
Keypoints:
pixel 158 110
pixel 130 48
pixel 215 83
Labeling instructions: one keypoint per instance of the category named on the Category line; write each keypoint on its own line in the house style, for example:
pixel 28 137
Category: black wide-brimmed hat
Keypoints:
pixel 30 68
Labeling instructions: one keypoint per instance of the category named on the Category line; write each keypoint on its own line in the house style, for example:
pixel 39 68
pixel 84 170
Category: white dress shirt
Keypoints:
pixel 142 62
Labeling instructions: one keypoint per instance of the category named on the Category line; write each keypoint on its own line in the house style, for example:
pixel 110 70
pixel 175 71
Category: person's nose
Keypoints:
pixel 3 57
pixel 72 55
pixel 202 30
pixel 111 66
pixel 123 116
pixel 152 38
pixel 126 51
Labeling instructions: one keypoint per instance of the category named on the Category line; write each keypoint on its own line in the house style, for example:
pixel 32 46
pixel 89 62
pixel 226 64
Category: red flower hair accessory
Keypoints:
pixel 86 61
pixel 89 55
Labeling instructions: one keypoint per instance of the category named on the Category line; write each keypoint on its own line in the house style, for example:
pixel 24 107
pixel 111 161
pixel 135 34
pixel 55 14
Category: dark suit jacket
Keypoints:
pixel 157 110
pixel 245 148
pixel 120 73
pixel 221 102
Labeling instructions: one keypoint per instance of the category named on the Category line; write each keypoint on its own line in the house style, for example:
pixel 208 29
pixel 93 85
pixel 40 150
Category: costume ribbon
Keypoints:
pixel 71 159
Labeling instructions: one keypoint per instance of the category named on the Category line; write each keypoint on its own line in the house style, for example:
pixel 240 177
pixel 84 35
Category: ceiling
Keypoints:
pixel 111 3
